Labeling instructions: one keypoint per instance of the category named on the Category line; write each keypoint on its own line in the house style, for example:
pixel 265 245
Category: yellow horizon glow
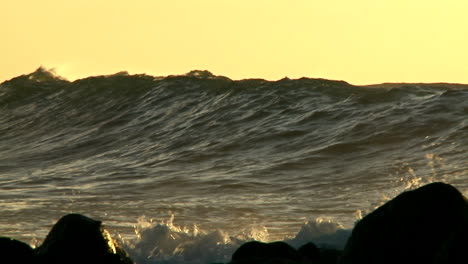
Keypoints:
pixel 361 41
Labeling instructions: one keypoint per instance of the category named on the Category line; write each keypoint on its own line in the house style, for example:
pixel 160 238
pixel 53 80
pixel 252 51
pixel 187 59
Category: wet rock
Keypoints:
pixel 14 251
pixel 256 252
pixel 78 239
pixel 426 225
pixel 329 256
pixel 309 253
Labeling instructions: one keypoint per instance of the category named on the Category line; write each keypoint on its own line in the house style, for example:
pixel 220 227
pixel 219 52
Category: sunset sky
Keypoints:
pixel 359 41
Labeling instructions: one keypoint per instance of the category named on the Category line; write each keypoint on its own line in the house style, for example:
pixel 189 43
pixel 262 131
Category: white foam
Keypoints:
pixel 322 232
pixel 163 242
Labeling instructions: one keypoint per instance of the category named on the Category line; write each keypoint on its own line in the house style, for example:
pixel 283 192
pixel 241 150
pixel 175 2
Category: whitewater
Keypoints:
pixel 186 168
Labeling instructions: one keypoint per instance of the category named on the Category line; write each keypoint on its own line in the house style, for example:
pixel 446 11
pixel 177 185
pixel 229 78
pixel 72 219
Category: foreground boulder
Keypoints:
pixel 78 239
pixel 309 253
pixel 14 251
pixel 427 225
pixel 255 252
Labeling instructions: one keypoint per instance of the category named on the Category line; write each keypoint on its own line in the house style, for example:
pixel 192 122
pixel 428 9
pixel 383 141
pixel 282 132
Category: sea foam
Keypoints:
pixel 163 242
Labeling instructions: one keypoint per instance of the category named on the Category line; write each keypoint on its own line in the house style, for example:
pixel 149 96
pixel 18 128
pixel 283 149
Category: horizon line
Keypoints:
pixel 53 71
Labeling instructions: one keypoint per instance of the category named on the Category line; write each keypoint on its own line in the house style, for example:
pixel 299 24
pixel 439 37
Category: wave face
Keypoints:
pixel 232 160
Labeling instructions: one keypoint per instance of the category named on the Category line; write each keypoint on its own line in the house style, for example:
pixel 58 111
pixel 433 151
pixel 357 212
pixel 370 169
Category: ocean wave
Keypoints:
pixel 220 153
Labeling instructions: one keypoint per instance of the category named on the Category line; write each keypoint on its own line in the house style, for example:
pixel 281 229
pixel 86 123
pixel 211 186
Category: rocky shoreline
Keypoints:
pixel 425 225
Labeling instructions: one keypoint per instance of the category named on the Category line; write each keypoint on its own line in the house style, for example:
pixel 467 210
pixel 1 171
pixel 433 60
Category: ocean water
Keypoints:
pixel 184 169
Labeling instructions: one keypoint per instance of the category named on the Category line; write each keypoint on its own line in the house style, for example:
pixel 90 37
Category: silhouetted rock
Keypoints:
pixel 329 256
pixel 309 253
pixel 426 225
pixel 14 251
pixel 77 239
pixel 255 252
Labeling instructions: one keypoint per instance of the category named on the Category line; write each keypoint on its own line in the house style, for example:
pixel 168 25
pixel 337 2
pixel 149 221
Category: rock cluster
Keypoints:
pixel 428 225
pixel 255 252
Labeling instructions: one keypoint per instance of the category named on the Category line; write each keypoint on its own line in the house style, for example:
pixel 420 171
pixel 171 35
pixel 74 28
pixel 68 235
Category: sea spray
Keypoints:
pixel 163 241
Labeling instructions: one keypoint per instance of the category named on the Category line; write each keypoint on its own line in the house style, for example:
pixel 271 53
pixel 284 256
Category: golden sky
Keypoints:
pixel 359 41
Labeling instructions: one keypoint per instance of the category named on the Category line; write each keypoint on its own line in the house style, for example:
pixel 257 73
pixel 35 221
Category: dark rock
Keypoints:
pixel 426 225
pixel 255 252
pixel 329 256
pixel 309 253
pixel 14 251
pixel 78 239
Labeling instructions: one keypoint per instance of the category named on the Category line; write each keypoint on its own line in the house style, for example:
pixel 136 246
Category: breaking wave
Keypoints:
pixel 233 160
